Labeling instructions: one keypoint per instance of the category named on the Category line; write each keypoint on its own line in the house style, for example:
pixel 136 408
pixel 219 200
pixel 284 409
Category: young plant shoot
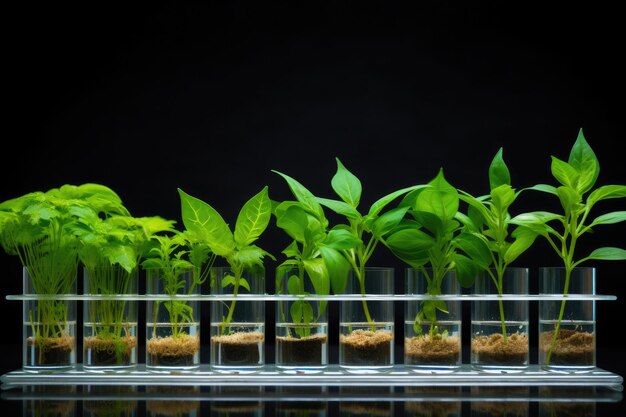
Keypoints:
pixel 37 227
pixel 489 219
pixel 577 195
pixel 110 250
pixel 236 247
pixel 435 241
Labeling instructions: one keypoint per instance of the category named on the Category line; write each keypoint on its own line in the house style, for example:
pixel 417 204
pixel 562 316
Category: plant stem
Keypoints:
pixel 233 303
pixel 501 306
pixel 568 273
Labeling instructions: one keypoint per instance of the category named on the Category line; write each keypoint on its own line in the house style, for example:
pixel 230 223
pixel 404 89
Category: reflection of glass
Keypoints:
pixel 301 407
pixel 500 401
pixel 232 405
pixel 172 408
pixel 442 404
pixel 109 405
pixel 49 407
pixel 366 408
pixel 564 404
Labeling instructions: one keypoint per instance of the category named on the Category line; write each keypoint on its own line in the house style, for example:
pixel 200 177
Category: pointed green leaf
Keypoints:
pixel 293 221
pixel 608 254
pixel 569 198
pixel 294 285
pixel 584 160
pixel 346 185
pixel 524 238
pixel 498 172
pixel 564 173
pixel 292 251
pixel 339 207
pixel 439 198
pixel 205 221
pixel 337 267
pixel 606 192
pixel 381 203
pixel 318 274
pixel 544 188
pixel 466 270
pixel 341 239
pixel 610 218
pixel 303 195
pixel 388 221
pixel 476 248
pixel 253 218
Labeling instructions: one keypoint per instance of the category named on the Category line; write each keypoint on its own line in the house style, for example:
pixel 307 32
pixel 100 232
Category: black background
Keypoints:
pixel 211 97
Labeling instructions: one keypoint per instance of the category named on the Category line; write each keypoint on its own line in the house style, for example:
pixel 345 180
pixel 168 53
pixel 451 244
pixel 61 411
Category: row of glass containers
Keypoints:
pixel 499 328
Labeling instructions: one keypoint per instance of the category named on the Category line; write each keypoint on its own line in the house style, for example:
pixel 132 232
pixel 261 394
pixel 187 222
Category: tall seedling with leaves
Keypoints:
pixel 172 257
pixel 349 246
pixel 37 227
pixel 577 195
pixel 489 220
pixel 236 247
pixel 434 238
pixel 305 223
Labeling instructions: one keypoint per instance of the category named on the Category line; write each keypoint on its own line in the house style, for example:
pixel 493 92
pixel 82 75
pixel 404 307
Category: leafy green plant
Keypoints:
pixel 433 239
pixel 577 195
pixel 489 219
pixel 172 258
pixel 305 223
pixel 38 228
pixel 110 250
pixel 349 246
pixel 236 247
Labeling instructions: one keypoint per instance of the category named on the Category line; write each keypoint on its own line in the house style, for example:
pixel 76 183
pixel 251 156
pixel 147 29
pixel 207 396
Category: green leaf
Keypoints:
pixel 439 198
pixel 569 197
pixel 303 195
pixel 564 173
pixel 388 221
pixel 293 221
pixel 251 255
pixel 502 197
pixel 316 270
pixel 244 283
pixel 535 217
pixel 584 160
pixel 228 280
pixel 341 239
pixel 293 285
pixel 466 270
pixel 498 172
pixel 410 245
pixel 610 218
pixel 429 221
pixel 339 207
pixel 381 203
pixel 608 254
pixel 477 210
pixel 524 238
pixel 346 185
pixel 544 188
pixel 606 192
pixel 338 268
pixel 122 255
pixel 475 247
pixel 205 221
pixel 292 251
pixel 253 218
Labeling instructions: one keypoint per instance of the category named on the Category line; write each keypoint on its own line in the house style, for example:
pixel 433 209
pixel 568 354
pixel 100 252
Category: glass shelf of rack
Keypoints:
pixel 333 375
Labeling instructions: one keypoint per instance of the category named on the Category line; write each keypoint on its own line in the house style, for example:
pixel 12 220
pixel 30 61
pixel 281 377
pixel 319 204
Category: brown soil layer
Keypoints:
pixel 50 408
pixel 572 347
pixel 501 408
pixel 300 351
pixel 236 407
pixel 110 407
pixel 436 350
pixel 238 349
pixel 491 350
pixel 173 351
pixel 366 347
pixel 50 351
pixel 105 351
